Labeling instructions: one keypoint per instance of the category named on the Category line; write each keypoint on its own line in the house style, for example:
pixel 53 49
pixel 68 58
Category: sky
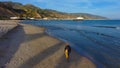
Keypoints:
pixel 106 8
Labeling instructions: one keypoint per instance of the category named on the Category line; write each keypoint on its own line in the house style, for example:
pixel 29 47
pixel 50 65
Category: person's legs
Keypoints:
pixel 67 55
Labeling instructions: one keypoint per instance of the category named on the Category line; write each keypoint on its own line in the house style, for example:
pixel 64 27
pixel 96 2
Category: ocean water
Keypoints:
pixel 98 40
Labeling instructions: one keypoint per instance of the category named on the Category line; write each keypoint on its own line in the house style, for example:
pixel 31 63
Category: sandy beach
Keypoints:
pixel 28 46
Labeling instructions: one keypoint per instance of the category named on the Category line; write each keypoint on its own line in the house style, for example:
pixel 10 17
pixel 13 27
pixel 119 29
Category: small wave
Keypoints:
pixel 114 27
pixel 118 28
pixel 105 26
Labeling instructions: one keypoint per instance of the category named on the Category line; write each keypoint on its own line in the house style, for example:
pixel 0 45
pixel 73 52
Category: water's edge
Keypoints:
pixel 98 64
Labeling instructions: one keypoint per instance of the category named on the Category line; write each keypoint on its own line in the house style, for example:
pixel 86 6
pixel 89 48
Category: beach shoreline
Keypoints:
pixel 33 48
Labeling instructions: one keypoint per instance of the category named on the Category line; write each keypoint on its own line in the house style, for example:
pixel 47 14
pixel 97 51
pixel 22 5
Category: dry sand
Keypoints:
pixel 29 46
pixel 7 25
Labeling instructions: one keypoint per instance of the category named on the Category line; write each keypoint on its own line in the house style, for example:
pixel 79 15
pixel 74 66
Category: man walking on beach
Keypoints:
pixel 67 51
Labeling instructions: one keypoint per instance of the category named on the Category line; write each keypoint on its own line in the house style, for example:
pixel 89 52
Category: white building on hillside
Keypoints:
pixel 14 18
pixel 79 18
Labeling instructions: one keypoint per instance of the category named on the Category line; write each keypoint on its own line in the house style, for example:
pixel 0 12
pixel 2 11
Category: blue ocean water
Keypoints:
pixel 98 40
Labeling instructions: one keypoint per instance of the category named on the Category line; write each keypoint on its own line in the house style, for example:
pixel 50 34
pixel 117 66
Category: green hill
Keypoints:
pixel 13 9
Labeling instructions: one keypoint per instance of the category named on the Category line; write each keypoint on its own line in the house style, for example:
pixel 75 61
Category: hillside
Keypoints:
pixel 88 16
pixel 13 9
pixel 7 10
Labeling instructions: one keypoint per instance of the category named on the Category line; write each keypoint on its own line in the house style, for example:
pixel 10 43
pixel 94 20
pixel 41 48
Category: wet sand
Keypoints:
pixel 28 46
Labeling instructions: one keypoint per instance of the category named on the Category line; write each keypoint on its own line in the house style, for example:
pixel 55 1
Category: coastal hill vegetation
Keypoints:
pixel 14 9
